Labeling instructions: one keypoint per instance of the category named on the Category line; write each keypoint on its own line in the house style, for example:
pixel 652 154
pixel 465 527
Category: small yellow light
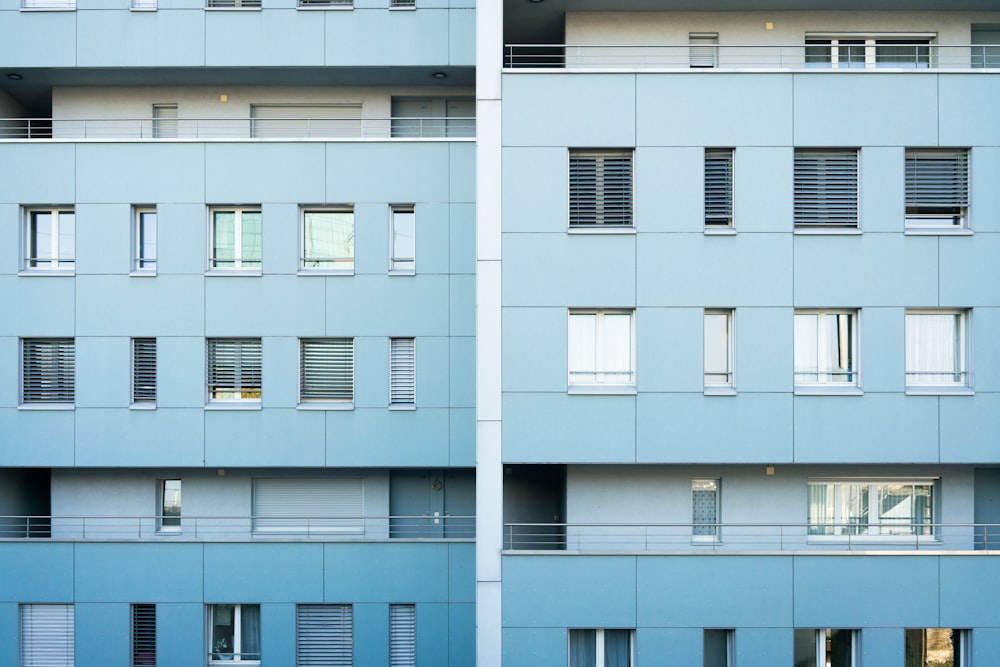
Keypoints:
pixel 223 98
pixel 222 472
pixel 769 470
pixel 769 26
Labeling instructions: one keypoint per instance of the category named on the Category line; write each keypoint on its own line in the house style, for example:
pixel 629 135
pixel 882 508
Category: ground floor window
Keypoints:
pixel 827 647
pixel 600 648
pixel 937 647
pixel 234 633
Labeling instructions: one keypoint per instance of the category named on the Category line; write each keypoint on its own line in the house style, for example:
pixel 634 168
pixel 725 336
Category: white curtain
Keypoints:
pixel 933 348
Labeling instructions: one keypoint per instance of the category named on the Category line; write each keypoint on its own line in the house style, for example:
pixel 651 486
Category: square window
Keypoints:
pixel 144 239
pixel 826 188
pixel 600 188
pixel 143 635
pixel 705 509
pixel 402 635
pixel 937 349
pixel 402 240
pixel 718 187
pixel 934 647
pixel 896 507
pixel 402 372
pixel 326 371
pixel 324 635
pixel 233 633
pixel 49 239
pixel 828 646
pixel 601 348
pixel 170 505
pixel 235 239
pixel 48 370
pixel 144 371
pixel 328 240
pixel 718 331
pixel 826 349
pixel 937 189
pixel 234 369
pixel 600 648
pixel 703 49
pixel 47 635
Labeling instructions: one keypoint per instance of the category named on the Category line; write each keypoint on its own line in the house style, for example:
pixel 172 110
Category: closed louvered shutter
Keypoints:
pixel 324 635
pixel 600 188
pixel 143 635
pixel 234 369
pixel 937 185
pixel 402 371
pixel 304 504
pixel 826 187
pixel 164 120
pixel 47 635
pixel 306 120
pixel 326 369
pixel 718 187
pixel 703 48
pixel 402 635
pixel 143 370
pixel 48 369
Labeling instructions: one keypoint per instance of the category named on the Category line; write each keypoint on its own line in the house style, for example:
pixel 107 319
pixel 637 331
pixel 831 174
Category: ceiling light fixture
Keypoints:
pixel 14 76
pixel 439 75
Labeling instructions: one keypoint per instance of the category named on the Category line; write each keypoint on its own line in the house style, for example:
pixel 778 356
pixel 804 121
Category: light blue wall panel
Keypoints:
pixel 433 239
pixel 534 647
pixel 249 173
pixel 385 572
pixel 161 437
pixel 371 372
pixel 10 625
pixel 45 173
pixel 881 591
pixel 461 302
pixel 233 572
pixel 669 186
pixel 695 270
pixel 272 437
pixel 103 372
pixel 11 238
pixel 461 634
pixel 281 237
pixel 462 240
pixel 432 636
pixel 764 646
pixel 763 342
pixel 269 37
pixel 574 429
pixel 581 110
pixel 881 189
pixel 36 437
pixel 277 633
pixel 969 427
pixel 969 591
pixel 666 115
pixel 396 172
pixel 679 428
pixel 883 646
pixel 986 355
pixel 168 305
pixel 594 591
pixel 462 37
pixel 381 437
pixel 883 352
pixel 903 428
pixel 143 173
pixel 535 356
pixel 26 294
pixel 757 170
pixel 669 646
pixel 462 171
pixel 102 633
pixel 535 195
pixel 968 104
pixel 462 437
pixel 268 305
pixel 897 109
pixel 10 365
pixel 986 645
pixel 36 572
pixel 462 372
pixel 178 227
pixel 575 270
pixel 122 38
pixel 669 344
pixel 180 373
pixel 984 204
pixel 432 372
pixel 371 634
pixel 359 38
pixel 415 306
pixel 870 270
pixel 103 238
pixel 187 623
pixel 969 271
pixel 462 573
pixel 20 45
pixel 141 572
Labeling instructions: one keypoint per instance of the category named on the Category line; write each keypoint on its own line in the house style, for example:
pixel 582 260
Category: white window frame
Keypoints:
pixel 720 186
pixel 144 372
pixel 937 190
pixel 142 265
pixel 143 635
pixel 53 627
pixel 171 523
pixel 599 641
pixel 240 264
pixel 605 380
pixel 713 383
pixel 39 376
pixel 825 381
pixel 962 356
pixel 329 266
pixel 325 356
pixel 867 45
pixel 399 263
pixel 701 532
pixel 822 636
pixel 237 649
pixel 402 374
pixel 827 190
pixel 56 259
pixel 839 528
pixel 607 196
pixel 239 386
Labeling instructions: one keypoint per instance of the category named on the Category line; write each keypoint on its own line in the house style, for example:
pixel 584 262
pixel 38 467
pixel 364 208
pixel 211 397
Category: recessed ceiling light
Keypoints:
pixel 439 75
pixel 14 76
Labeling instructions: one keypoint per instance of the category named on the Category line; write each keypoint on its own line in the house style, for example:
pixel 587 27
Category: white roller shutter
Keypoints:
pixel 305 120
pixel 47 635
pixel 309 505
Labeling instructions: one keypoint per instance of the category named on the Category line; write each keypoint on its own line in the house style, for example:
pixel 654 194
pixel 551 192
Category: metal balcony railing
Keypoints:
pixel 278 129
pixel 917 56
pixel 236 528
pixel 738 537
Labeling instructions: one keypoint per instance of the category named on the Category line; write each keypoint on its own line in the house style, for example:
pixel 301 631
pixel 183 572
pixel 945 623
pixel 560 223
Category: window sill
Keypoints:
pixel 402 407
pixel 819 230
pixel 326 405
pixel 938 390
pixel 705 540
pixel 47 406
pixel 720 391
pixel 43 272
pixel 325 272
pixel 233 405
pixel 720 231
pixel 143 273
pixel 853 390
pixel 596 389
pixel 326 8
pixel 232 9
pixel 937 231
pixel 402 272
pixel 408 8
pixel 234 272
pixel 145 405
pixel 142 9
pixel 601 229
pixel 48 9
pixel 168 532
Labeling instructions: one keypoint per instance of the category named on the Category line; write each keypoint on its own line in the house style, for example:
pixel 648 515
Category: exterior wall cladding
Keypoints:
pixel 431 334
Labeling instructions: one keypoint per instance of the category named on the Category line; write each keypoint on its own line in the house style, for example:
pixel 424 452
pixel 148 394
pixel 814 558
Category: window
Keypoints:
pixel 48 370
pixel 143 371
pixel 718 187
pixel 826 188
pixel 938 647
pixel 326 370
pixel 164 115
pixel 402 240
pixel 48 4
pixel 871 507
pixel 600 188
pixel 402 372
pixel 718 348
pixel 830 647
pixel 937 188
pixel 704 49
pixel 600 648
pixel 348 4
pixel 170 505
pixel 705 509
pixel 826 348
pixel 144 240
pixel 234 369
pixel 402 635
pixel 936 349
pixel 233 633
pixel 144 635
pixel 50 235
pixel 324 635
pixel 860 51
pixel 328 240
pixel 433 116
pixel 236 239
pixel 47 635
pixel 719 648
pixel 400 4
pixel 233 4
pixel 601 348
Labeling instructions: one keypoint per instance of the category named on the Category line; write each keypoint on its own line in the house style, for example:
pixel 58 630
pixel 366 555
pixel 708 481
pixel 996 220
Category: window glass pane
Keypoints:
pixel 805 648
pixel 582 648
pixel 67 232
pixel 224 239
pixel 934 348
pixel 171 509
pixel 617 348
pixel 40 238
pixel 223 631
pixel 933 647
pixel 704 506
pixel 582 348
pixel 251 237
pixel 250 632
pixel 806 360
pixel 147 240
pixel 403 240
pixel 328 240
pixel 617 651
pixel 717 648
pixel 717 348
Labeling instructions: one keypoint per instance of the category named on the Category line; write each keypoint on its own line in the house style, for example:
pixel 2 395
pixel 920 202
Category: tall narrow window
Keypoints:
pixel 144 240
pixel 144 370
pixel 326 370
pixel 234 369
pixel 235 239
pixel 49 239
pixel 328 240
pixel 600 188
pixel 170 504
pixel 402 240
pixel 719 648
pixel 233 633
pixel 937 188
pixel 601 348
pixel 144 635
pixel 829 647
pixel 934 647
pixel 402 635
pixel 876 507
pixel 48 370
pixel 402 372
pixel 826 348
pixel 718 348
pixel 936 349
pixel 164 119
pixel 718 187
pixel 705 509
pixel 704 49
pixel 47 632
pixel 600 648
pixel 324 635
pixel 826 188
